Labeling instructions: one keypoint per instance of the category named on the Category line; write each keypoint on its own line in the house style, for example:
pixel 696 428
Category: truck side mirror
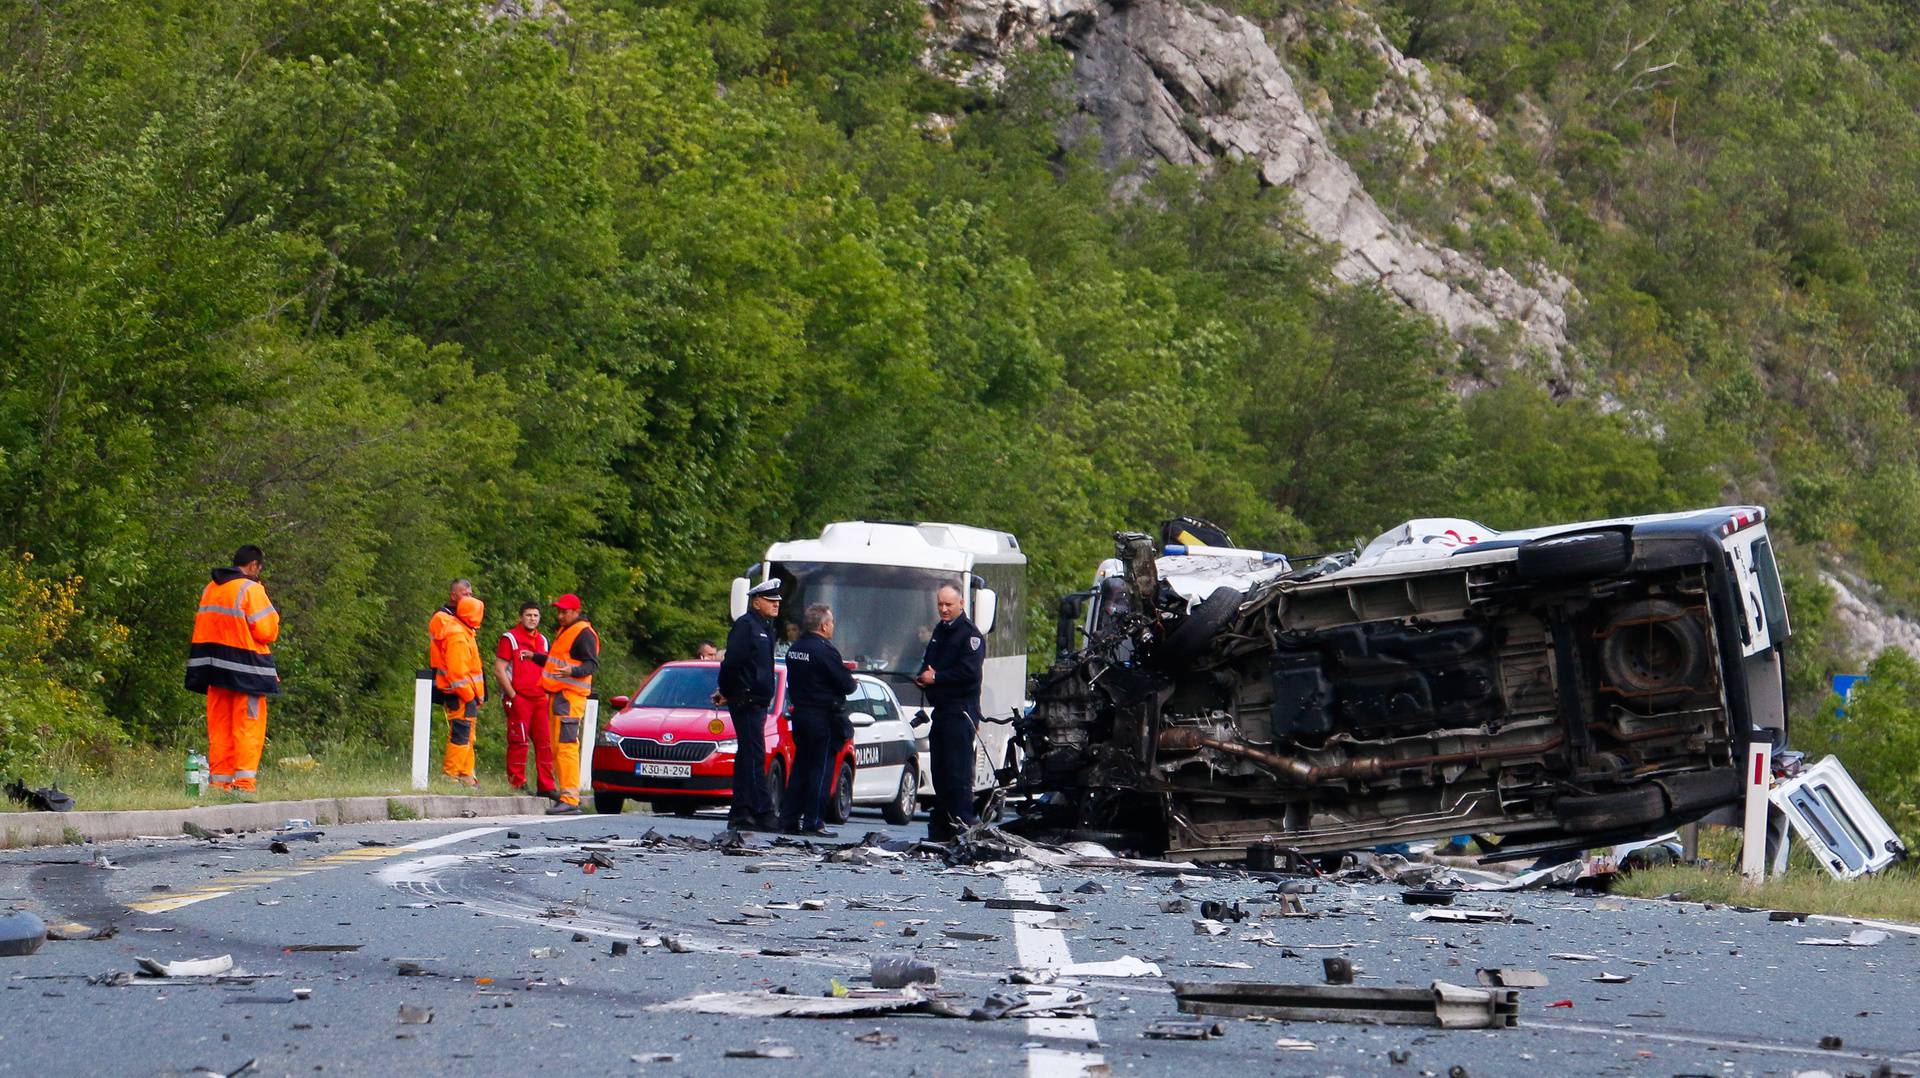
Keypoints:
pixel 985 605
pixel 737 602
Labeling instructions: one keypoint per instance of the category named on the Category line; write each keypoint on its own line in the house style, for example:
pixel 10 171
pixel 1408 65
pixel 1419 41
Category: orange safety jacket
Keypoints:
pixel 233 634
pixel 558 677
pixel 454 652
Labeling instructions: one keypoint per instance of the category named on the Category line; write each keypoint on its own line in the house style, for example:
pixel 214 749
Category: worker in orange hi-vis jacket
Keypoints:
pixel 453 651
pixel 231 661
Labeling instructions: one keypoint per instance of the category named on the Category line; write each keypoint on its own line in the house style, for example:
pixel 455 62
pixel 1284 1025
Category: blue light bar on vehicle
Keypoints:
pixel 1175 550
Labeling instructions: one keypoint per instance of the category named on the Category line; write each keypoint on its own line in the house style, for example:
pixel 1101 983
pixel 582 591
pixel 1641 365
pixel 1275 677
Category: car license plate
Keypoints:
pixel 665 771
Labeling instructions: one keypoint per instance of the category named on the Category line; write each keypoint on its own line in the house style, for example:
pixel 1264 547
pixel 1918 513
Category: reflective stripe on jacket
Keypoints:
pixel 557 677
pixel 233 633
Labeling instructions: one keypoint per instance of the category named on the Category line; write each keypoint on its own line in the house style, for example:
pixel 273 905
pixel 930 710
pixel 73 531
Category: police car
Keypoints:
pixel 670 746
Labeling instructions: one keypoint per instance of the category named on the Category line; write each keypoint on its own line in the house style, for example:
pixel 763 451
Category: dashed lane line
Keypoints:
pixel 243 881
pixel 1046 948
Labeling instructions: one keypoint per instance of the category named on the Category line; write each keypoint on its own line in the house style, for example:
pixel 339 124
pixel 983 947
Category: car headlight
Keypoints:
pixel 608 737
pixel 728 747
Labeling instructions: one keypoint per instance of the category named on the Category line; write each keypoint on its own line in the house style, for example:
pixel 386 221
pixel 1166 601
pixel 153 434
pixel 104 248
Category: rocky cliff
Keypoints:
pixel 1188 83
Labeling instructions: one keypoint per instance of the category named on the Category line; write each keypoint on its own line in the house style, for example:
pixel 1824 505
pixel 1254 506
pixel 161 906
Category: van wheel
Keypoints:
pixel 840 806
pixel 1654 652
pixel 609 804
pixel 1191 637
pixel 1582 554
pixel 905 800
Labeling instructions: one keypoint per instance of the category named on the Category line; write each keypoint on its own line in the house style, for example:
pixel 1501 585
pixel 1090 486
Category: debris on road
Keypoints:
pixel 415 1016
pixel 900 970
pixel 1440 1004
pixel 323 947
pixel 1429 896
pixel 1124 966
pixel 1337 970
pixel 1511 978
pixel 764 1051
pixel 1570 956
pixel 859 1003
pixel 1182 1029
pixel 1862 937
pixel 74 930
pixel 1613 978
pixel 1028 904
pixel 543 952
pixel 1295 1044
pixel 43 799
pixel 194 967
pixel 1452 916
pixel 21 933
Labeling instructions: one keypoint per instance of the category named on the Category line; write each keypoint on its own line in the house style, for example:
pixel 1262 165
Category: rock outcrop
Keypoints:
pixel 1866 626
pixel 1188 84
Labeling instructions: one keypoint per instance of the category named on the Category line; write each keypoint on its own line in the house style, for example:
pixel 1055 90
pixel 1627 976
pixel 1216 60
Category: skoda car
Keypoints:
pixel 671 746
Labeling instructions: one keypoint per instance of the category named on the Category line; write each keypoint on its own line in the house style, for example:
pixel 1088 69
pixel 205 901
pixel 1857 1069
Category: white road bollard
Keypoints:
pixel 1753 830
pixel 588 722
pixel 422 724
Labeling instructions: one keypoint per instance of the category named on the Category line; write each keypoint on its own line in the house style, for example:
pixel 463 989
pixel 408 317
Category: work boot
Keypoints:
pixel 561 808
pixel 767 821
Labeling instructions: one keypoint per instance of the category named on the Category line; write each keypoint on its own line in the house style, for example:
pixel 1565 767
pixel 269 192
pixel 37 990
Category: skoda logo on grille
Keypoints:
pixel 668 738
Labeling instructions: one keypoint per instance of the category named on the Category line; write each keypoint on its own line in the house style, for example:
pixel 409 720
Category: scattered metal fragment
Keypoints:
pixel 322 947
pixel 1214 963
pixel 580 937
pixel 970 937
pixel 74 930
pixel 1440 1004
pixel 415 1016
pixel 1091 887
pixel 617 948
pixel 763 1004
pixel 543 952
pixel 1175 905
pixel 1222 911
pixel 675 944
pixel 279 847
pixel 1428 896
pixel 655 1057
pixel 1337 970
pixel 1124 966
pixel 1511 978
pixel 1831 1043
pixel 876 1037
pixel 193 967
pixel 1183 1029
pixel 1569 956
pixel 1205 927
pixel 1613 978
pixel 1287 905
pixel 1295 1044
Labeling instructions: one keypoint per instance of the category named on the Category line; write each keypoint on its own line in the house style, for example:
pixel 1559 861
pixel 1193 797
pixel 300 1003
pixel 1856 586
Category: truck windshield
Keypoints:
pixel 882 613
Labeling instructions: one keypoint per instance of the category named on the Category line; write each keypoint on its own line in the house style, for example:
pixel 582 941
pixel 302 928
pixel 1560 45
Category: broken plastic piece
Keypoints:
pixel 1861 937
pixel 415 1016
pixel 193 967
pixel 1124 966
pixel 21 933
pixel 764 1051
pixel 900 970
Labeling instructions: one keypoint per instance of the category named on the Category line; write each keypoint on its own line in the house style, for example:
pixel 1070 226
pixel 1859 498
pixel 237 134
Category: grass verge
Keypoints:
pixel 149 778
pixel 1893 895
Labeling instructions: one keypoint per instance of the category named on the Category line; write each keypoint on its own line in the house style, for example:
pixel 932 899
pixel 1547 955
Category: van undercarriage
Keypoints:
pixel 1572 692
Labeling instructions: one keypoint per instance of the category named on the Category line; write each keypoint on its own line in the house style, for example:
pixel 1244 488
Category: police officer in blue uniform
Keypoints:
pixel 818 683
pixel 950 676
pixel 746 689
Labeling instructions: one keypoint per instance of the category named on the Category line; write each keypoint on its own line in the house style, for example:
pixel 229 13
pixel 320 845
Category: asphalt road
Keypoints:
pixel 457 918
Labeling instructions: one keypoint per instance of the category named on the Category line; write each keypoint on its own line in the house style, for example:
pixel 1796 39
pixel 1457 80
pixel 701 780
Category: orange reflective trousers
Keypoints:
pixel 236 735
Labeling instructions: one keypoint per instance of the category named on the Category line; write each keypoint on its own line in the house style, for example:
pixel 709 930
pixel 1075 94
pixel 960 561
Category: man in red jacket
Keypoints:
pixel 526 704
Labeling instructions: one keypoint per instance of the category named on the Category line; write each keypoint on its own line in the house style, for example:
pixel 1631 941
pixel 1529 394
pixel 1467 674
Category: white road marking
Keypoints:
pixel 448 840
pixel 1046 949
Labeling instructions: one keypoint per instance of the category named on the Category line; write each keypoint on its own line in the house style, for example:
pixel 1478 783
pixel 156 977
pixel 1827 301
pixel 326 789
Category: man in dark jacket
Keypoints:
pixel 950 675
pixel 746 689
pixel 818 682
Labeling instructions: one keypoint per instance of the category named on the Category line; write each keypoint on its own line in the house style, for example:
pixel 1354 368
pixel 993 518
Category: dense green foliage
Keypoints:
pixel 1878 739
pixel 403 293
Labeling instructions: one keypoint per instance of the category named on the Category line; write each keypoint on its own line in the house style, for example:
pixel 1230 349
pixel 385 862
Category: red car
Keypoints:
pixel 671 746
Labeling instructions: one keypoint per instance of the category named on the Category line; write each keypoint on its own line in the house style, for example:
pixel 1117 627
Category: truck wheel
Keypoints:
pixel 840 806
pixel 1610 812
pixel 609 804
pixel 1191 637
pixel 906 799
pixel 1583 554
pixel 1654 652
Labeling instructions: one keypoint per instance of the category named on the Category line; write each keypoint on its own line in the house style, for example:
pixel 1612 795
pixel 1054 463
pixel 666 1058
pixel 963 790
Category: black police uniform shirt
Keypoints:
pixel 817 678
pixel 956 652
pixel 746 673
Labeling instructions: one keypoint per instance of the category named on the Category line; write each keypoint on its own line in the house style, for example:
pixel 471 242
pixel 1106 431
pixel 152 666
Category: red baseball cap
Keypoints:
pixel 569 601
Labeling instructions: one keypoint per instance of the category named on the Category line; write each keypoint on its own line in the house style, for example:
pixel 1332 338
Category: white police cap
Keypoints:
pixel 766 589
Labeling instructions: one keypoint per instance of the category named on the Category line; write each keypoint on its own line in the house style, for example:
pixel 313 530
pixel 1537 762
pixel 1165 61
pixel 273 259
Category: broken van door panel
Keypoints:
pixel 1560 686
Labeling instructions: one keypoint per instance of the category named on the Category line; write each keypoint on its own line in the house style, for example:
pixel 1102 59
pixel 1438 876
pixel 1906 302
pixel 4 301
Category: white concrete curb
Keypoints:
pixel 19 829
